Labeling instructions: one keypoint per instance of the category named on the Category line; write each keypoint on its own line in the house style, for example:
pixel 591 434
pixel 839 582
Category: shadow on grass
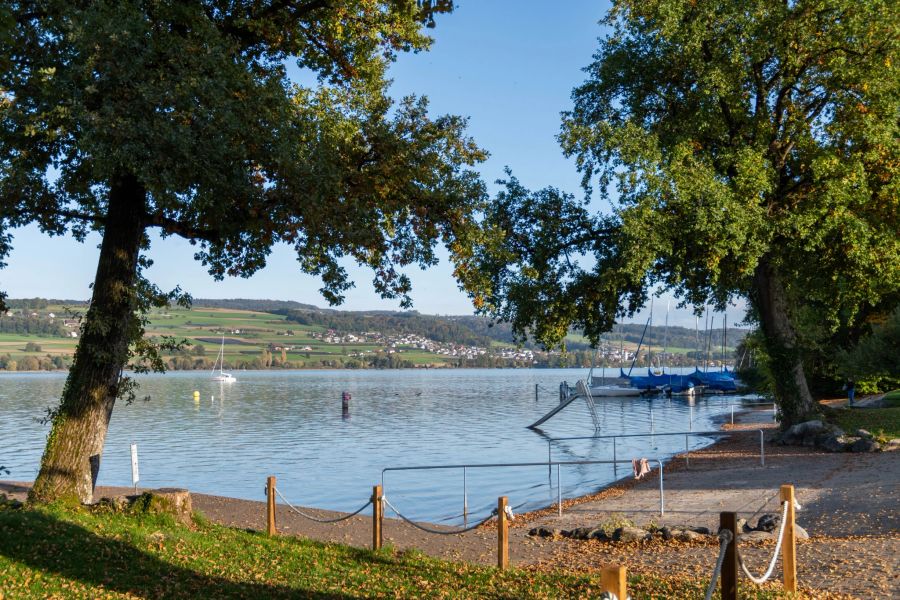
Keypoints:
pixel 47 544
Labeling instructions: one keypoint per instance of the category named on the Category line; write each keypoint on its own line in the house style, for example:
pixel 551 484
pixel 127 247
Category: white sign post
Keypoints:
pixel 134 467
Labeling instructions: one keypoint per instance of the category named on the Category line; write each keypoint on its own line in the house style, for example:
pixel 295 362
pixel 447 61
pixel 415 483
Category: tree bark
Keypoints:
pixel 71 460
pixel 791 390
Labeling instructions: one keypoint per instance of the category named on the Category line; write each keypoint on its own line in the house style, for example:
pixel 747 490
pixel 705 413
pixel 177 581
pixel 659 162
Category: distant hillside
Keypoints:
pixel 479 331
pixel 251 304
pixel 467 330
pixel 439 329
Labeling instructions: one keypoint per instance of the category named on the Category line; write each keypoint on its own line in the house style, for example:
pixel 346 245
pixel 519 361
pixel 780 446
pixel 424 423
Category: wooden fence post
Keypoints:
pixel 377 517
pixel 728 520
pixel 502 534
pixel 789 543
pixel 270 505
pixel 612 580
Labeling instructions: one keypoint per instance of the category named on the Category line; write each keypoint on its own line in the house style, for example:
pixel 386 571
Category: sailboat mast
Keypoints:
pixel 650 337
pixel 712 322
pixel 697 341
pixel 666 337
pixel 621 345
pixel 724 334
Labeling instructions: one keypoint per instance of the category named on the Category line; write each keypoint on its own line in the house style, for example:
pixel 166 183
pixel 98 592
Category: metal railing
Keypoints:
pixel 752 405
pixel 549 464
pixel 686 434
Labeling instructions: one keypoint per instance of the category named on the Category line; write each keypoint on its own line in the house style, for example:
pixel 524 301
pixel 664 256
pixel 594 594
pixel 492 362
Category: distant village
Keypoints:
pixel 397 343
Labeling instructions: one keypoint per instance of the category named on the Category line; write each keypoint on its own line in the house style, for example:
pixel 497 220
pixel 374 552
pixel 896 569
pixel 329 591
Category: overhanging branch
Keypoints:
pixel 182 229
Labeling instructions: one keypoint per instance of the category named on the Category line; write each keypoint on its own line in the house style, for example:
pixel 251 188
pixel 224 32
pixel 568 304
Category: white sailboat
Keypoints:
pixel 220 362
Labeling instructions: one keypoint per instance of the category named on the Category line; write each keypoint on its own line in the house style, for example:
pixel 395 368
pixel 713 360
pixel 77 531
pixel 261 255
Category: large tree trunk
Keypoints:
pixel 791 389
pixel 71 458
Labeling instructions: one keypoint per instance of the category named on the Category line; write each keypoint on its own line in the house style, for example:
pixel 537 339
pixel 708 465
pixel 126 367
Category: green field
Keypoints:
pixel 247 336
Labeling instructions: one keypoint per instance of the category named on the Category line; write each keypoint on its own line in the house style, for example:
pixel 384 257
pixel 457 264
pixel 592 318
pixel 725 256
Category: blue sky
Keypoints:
pixel 509 66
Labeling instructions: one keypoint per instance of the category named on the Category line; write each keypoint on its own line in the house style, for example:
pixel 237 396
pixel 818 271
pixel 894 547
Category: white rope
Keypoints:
pixel 725 538
pixel 316 519
pixel 612 596
pixel 438 531
pixel 768 573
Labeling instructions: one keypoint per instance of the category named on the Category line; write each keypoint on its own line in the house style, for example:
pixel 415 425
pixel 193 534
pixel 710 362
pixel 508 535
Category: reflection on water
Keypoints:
pixel 290 424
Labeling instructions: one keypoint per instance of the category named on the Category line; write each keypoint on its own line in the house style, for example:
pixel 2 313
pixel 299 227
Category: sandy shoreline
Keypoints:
pixel 849 511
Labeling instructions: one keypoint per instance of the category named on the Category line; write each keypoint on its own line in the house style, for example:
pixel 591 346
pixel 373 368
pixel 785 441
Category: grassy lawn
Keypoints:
pixel 78 554
pixel 882 422
pixel 893 399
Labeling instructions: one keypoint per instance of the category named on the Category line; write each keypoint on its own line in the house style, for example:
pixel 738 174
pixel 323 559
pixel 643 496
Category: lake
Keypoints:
pixel 289 424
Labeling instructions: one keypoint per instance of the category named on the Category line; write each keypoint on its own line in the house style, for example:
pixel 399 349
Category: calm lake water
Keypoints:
pixel 289 424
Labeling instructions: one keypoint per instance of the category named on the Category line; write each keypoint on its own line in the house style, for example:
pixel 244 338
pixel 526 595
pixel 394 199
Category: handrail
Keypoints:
pixel 548 464
pixel 686 434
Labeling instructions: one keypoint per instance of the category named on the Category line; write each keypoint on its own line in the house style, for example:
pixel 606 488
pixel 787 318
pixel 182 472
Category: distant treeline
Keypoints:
pixel 28 325
pixel 41 303
pixel 251 304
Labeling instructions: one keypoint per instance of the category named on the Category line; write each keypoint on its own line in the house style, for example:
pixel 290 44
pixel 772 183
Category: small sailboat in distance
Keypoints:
pixel 220 362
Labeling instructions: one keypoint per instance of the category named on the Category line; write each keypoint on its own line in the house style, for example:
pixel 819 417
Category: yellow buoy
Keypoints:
pixel 196 395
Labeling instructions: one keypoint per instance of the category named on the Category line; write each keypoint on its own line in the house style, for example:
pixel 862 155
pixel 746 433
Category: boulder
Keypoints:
pixel 666 533
pixel 742 525
pixel 756 536
pixel 687 535
pixel 803 433
pixel 580 533
pixel 701 530
pixel 833 443
pixel 544 532
pixel 863 433
pixel 800 533
pixel 598 534
pixel 864 445
pixel 116 503
pixel 630 534
pixel 894 444
pixel 767 522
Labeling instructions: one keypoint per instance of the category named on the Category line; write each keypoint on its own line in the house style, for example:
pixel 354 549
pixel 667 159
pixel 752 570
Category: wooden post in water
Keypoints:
pixel 789 543
pixel 502 534
pixel 377 518
pixel 612 580
pixel 270 505
pixel 729 577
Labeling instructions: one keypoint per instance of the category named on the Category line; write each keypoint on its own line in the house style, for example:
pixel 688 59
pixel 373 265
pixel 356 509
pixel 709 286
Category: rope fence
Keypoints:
pixel 725 538
pixel 727 565
pixel 317 519
pixel 765 576
pixel 439 531
pixel 729 558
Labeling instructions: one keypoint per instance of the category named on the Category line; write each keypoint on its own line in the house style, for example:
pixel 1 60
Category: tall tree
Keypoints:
pixel 752 148
pixel 127 116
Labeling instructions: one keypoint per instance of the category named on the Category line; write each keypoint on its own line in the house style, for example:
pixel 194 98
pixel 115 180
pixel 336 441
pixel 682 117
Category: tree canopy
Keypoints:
pixel 192 100
pixel 746 148
pixel 121 117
